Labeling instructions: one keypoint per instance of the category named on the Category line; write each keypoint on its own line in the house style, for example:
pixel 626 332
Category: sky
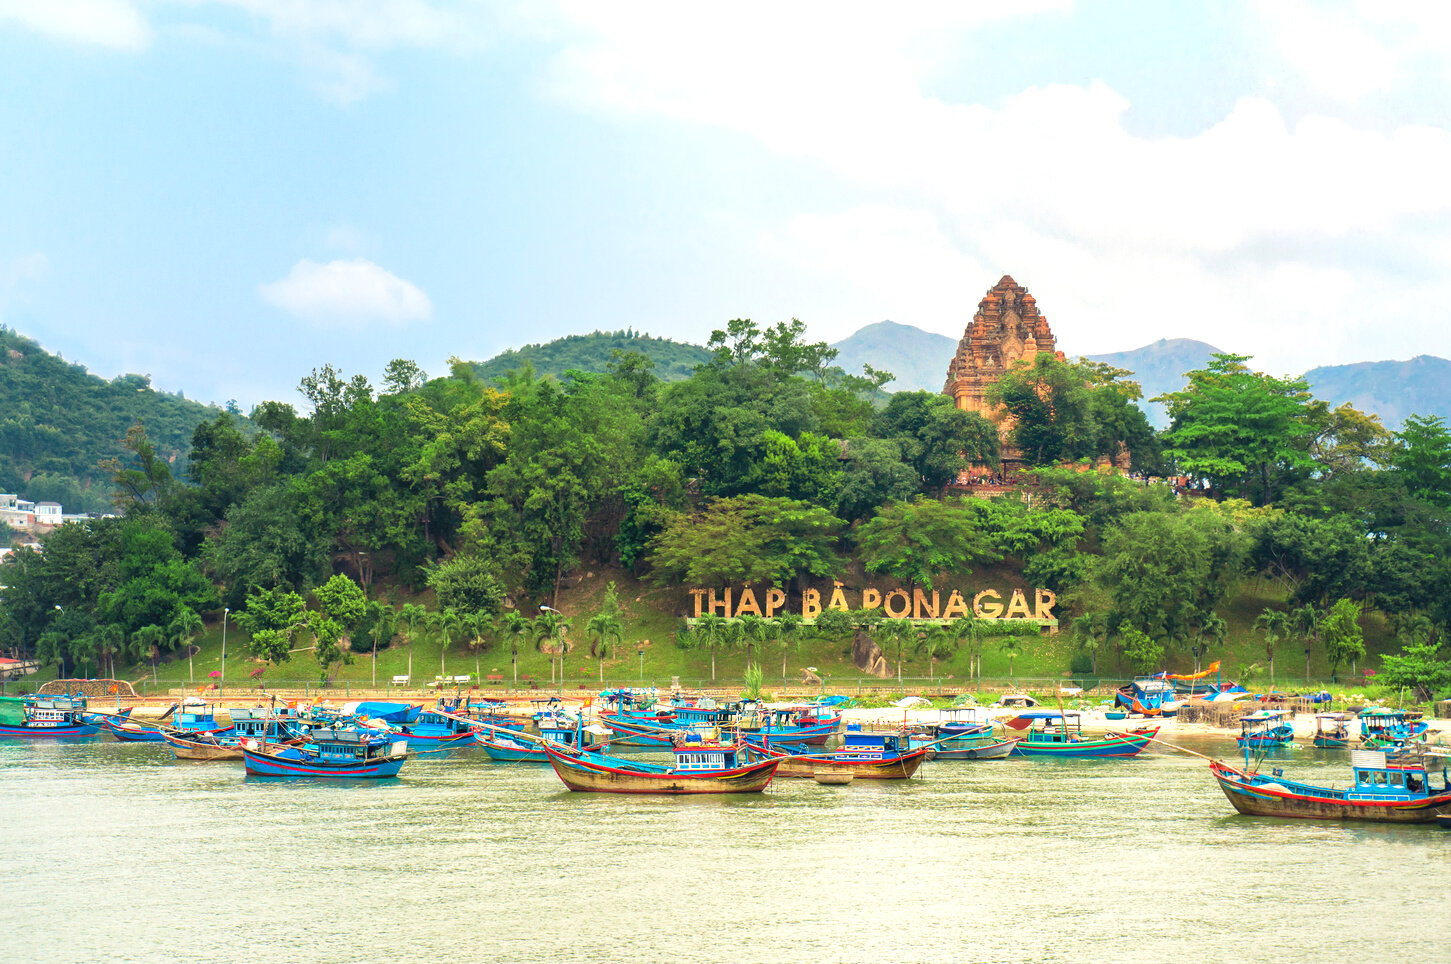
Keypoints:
pixel 226 194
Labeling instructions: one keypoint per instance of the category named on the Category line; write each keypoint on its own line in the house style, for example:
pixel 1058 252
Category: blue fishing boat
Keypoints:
pixel 1148 696
pixel 437 729
pixel 52 717
pixel 1265 730
pixel 487 712
pixel 808 724
pixel 507 746
pixel 1390 729
pixel 1059 734
pixel 1332 731
pixel 1380 790
pixel 329 752
pixel 192 716
pixel 386 711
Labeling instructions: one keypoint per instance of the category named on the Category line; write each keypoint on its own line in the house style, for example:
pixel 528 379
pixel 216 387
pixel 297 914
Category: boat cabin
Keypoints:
pixel 856 745
pixel 1392 726
pixel 259 724
pixel 1054 726
pixel 196 716
pixel 1375 776
pixel 48 711
pixel 694 754
pixel 1333 726
pixel 332 745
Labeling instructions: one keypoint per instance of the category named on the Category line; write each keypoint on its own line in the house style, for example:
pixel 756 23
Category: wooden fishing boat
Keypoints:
pixel 974 748
pixel 506 746
pixel 1148 696
pixel 1054 733
pixel 329 752
pixel 202 746
pixel 699 767
pixel 1380 790
pixel 437 729
pixel 1265 730
pixel 1382 729
pixel 870 756
pixel 191 716
pixel 1332 731
pixel 808 724
pixel 53 717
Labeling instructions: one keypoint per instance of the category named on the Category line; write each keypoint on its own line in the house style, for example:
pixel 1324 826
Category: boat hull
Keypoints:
pixel 1110 746
pixel 69 731
pixel 807 766
pixel 988 751
pixel 259 764
pixel 586 777
pixel 1261 797
pixel 184 749
pixel 1330 743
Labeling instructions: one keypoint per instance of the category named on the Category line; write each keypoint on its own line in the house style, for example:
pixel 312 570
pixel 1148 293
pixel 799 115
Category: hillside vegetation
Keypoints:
pixel 673 360
pixel 58 423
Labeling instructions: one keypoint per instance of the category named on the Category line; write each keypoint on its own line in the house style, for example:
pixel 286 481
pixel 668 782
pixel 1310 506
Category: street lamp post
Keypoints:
pixel 640 650
pixel 223 682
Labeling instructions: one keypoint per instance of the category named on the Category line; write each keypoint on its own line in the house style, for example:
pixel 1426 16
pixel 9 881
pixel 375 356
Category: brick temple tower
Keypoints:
pixel 1008 328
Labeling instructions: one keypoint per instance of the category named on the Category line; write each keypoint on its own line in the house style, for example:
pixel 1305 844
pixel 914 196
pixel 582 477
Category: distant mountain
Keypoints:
pixel 674 360
pixel 1390 389
pixel 1160 368
pixel 918 358
pixel 58 422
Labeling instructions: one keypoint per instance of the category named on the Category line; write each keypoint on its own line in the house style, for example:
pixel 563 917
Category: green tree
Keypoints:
pixel 413 617
pixel 1011 645
pixel 874 475
pixel 516 627
pixel 1273 625
pixel 1245 431
pixel 149 641
pixel 939 440
pixel 1421 457
pixel 833 624
pixel 898 633
pixel 1065 411
pixel 1341 631
pixel 1091 632
pixel 1306 622
pixel 788 636
pixel 467 582
pixel 934 640
pixel 1418 667
pixel 970 628
pixel 605 629
pixel 185 627
pixel 917 541
pixel 1141 650
pixel 749 538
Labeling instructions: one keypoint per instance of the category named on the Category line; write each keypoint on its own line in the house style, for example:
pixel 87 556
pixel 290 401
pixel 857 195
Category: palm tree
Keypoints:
pixel 515 626
pixel 450 626
pixel 148 641
pixel 732 632
pixel 969 627
pixel 1212 628
pixel 382 620
pixel 933 641
pixel 604 632
pixel 899 633
pixel 1010 646
pixel 413 616
pixel 111 639
pixel 551 625
pixel 185 627
pixel 788 635
pixel 482 629
pixel 752 634
pixel 1306 622
pixel 1274 626
pixel 709 629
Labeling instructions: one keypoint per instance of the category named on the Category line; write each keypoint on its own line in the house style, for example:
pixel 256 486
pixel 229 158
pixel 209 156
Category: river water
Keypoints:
pixel 116 852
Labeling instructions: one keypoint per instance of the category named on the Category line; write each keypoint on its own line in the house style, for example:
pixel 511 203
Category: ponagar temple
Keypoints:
pixel 1008 328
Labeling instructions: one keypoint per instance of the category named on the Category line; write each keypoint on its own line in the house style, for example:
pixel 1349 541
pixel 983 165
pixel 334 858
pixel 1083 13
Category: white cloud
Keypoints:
pixel 353 292
pixel 1286 240
pixel 105 23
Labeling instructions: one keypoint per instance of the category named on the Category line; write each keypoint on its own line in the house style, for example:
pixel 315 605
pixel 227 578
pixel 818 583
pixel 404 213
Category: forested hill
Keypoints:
pixel 58 422
pixel 674 360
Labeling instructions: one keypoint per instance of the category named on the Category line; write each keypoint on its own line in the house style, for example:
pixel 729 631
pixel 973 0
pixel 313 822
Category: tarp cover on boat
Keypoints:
pixel 390 712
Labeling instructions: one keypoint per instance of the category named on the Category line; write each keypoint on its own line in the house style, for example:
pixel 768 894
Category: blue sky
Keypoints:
pixel 227 194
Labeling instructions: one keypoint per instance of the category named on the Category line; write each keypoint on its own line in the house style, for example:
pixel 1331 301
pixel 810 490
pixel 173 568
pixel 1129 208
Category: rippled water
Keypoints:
pixel 116 852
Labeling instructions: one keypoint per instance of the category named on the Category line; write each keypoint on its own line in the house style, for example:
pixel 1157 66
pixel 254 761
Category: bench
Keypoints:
pixel 495 678
pixel 400 681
